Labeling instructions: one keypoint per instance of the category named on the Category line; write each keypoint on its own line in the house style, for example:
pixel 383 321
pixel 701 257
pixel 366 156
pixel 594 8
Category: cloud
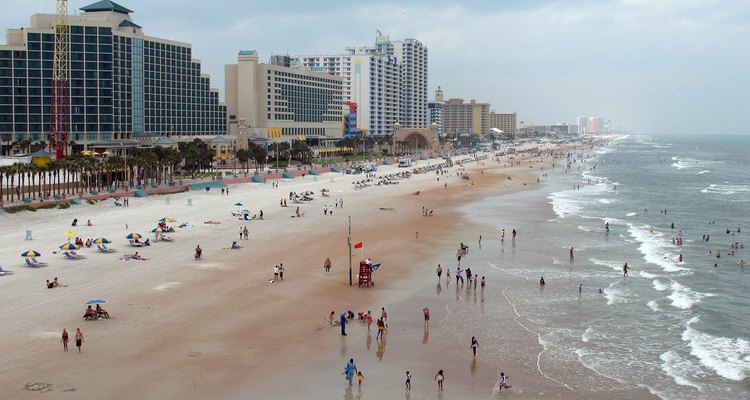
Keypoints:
pixel 547 60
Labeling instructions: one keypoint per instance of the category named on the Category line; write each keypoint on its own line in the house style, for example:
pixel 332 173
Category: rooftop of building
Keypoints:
pixel 106 5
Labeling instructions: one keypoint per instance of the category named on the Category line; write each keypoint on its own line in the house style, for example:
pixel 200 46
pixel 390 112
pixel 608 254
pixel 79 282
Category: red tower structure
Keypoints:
pixel 60 108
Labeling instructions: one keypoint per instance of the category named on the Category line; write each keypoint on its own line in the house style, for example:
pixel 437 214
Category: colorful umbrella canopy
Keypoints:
pixel 166 219
pixel 102 240
pixel 69 246
pixel 69 234
pixel 133 236
pixel 96 301
pixel 157 230
pixel 31 253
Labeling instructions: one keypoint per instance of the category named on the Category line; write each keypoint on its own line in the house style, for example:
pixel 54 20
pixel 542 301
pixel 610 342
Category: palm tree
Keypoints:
pixel 243 156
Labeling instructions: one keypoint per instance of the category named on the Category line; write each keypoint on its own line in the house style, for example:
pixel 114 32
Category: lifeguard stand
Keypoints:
pixel 365 274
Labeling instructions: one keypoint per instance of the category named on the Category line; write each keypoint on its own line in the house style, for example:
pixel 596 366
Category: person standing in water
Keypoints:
pixel 474 345
pixel 625 270
pixel 64 339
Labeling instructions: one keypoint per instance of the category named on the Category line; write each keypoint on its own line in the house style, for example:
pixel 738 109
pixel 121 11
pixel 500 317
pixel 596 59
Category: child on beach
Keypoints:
pixel 439 378
pixel 360 378
pixel 408 380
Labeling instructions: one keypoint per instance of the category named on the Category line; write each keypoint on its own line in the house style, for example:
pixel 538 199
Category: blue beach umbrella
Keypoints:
pixel 31 253
pixel 102 240
pixel 96 301
pixel 157 230
pixel 133 236
pixel 238 205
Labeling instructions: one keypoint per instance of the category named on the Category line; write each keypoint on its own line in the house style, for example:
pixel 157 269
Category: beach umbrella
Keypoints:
pixel 102 240
pixel 31 253
pixel 96 301
pixel 133 236
pixel 166 219
pixel 69 234
pixel 157 230
pixel 69 246
pixel 238 205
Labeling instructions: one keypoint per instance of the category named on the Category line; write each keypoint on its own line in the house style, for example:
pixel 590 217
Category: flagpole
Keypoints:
pixel 349 241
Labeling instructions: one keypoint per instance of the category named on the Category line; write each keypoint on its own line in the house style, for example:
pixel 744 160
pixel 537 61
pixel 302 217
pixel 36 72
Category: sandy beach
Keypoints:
pixel 217 327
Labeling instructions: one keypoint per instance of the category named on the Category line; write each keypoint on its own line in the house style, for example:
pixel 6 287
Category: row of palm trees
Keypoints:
pixel 87 174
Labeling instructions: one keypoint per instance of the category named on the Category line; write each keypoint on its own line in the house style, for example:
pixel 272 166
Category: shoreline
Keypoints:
pixel 200 367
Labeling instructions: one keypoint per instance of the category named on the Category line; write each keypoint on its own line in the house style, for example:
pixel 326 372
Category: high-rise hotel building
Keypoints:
pixel 388 82
pixel 123 84
pixel 282 103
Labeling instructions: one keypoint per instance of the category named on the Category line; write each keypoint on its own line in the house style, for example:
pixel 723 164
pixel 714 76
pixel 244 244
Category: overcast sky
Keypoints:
pixel 651 66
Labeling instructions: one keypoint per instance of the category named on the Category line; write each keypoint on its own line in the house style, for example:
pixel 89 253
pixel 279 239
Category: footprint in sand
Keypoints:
pixel 195 354
pixel 168 285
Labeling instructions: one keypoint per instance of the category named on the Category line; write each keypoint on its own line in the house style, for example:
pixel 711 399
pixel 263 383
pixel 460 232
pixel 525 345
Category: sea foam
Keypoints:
pixel 728 357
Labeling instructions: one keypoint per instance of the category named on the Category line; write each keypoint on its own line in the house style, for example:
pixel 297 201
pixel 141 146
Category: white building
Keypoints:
pixel 388 82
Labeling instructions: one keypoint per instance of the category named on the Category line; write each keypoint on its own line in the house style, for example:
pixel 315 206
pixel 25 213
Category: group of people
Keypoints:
pixel 53 284
pixel 79 339
pixel 278 273
pixel 98 313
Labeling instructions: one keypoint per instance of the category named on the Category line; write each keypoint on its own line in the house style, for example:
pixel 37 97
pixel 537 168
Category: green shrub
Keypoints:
pixel 63 205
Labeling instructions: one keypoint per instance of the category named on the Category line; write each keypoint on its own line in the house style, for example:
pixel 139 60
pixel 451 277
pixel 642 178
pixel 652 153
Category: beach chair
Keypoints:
pixel 73 256
pixel 104 249
pixel 4 272
pixel 135 244
pixel 32 262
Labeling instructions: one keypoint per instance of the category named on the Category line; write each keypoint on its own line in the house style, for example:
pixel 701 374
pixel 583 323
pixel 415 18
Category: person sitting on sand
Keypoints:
pixel 235 246
pixel 101 312
pixel 56 283
pixel 50 285
pixel 137 256
pixel 90 313
pixel 88 223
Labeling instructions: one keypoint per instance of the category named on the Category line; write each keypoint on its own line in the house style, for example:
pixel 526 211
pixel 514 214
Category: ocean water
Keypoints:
pixel 679 329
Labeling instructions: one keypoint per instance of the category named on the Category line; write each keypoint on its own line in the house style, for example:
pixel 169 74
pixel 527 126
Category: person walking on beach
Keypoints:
pixel 349 370
pixel 514 234
pixel 503 382
pixel 360 378
pixel 342 321
pixel 245 232
pixel 368 319
pixel 381 329
pixel 408 380
pixel 275 273
pixel 426 312
pixel 474 345
pixel 384 317
pixel 79 339
pixel 240 227
pixel 439 271
pixel 327 265
pixel 64 339
pixel 439 377
pixel 281 271
pixel 625 270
